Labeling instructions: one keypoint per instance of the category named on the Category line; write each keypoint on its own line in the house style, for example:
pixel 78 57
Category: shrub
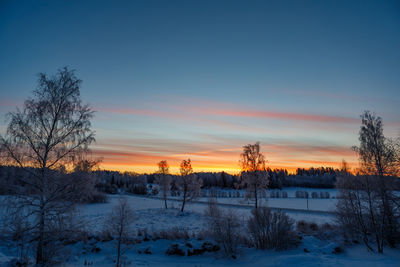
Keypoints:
pixel 307 228
pixel 302 226
pixel 173 234
pixel 337 250
pixel 271 230
pixel 224 227
pixel 174 249
pixel 314 227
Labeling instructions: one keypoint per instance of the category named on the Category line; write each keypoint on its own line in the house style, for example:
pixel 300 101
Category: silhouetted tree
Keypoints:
pixel 188 183
pixel 253 171
pixel 163 179
pixel 51 130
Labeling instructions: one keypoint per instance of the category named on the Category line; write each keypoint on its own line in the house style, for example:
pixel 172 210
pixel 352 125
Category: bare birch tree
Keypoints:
pixel 50 131
pixel 118 224
pixel 253 172
pixel 163 179
pixel 367 205
pixel 188 183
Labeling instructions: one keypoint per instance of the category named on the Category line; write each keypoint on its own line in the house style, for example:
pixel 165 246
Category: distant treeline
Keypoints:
pixel 278 178
pixel 114 181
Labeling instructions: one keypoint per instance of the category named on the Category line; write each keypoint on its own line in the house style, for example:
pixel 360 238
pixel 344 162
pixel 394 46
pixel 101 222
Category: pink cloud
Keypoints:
pixel 187 111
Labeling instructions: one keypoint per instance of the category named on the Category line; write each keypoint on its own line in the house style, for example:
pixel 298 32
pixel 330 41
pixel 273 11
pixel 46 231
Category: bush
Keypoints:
pixel 271 230
pixel 314 227
pixel 302 227
pixel 307 228
pixel 171 234
pixel 315 195
pixel 174 249
pixel 338 250
pixel 224 227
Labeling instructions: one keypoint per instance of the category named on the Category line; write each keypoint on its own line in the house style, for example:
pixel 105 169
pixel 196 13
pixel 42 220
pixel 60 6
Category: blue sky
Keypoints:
pixel 199 79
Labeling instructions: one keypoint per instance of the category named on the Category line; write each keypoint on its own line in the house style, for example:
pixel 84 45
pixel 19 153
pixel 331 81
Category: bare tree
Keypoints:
pixel 188 183
pixel 253 171
pixel 358 211
pixel 163 179
pixel 118 225
pixel 367 204
pixel 51 130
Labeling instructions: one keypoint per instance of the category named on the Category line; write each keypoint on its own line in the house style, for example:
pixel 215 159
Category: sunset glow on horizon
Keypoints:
pixel 216 143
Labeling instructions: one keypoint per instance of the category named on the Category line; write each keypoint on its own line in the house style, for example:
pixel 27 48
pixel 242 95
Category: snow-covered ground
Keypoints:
pixel 150 216
pixel 320 254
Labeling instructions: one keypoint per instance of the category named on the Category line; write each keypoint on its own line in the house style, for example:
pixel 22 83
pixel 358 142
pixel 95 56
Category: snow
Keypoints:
pixel 320 254
pixel 151 216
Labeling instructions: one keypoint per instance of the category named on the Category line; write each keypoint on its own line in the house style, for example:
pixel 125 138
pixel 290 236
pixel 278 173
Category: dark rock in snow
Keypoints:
pixel 147 251
pixel 337 250
pixel 174 249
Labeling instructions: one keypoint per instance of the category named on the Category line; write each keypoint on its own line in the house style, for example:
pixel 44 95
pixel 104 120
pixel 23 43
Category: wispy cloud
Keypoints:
pixel 281 115
pixel 207 109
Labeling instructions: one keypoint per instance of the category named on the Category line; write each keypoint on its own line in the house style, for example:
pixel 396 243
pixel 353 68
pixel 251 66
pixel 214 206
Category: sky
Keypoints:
pixel 171 80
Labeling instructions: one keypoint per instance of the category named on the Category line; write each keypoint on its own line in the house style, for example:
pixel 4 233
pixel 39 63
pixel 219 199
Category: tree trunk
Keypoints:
pixel 184 199
pixel 165 202
pixel 39 249
pixel 256 197
pixel 118 251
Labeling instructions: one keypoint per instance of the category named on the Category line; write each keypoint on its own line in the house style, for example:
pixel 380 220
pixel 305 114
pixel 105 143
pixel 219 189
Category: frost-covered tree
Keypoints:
pixel 163 179
pixel 188 183
pixel 51 130
pixel 253 171
pixel 118 225
pixel 367 206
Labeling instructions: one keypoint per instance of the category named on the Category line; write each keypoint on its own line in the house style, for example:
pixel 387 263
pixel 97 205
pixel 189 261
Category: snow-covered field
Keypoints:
pixel 150 216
